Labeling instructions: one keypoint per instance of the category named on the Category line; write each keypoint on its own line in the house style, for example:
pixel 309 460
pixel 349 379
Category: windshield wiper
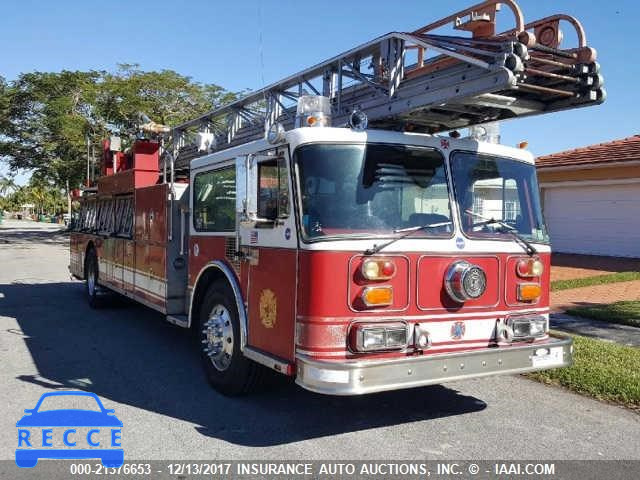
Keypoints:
pixel 528 247
pixel 405 233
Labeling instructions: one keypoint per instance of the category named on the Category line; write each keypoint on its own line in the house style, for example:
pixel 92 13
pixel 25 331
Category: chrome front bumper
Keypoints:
pixel 354 377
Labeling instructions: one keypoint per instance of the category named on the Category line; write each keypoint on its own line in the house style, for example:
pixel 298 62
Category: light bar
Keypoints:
pixel 313 111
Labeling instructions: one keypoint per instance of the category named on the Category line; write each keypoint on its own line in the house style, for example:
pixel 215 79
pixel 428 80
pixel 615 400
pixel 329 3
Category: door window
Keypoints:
pixel 214 201
pixel 273 189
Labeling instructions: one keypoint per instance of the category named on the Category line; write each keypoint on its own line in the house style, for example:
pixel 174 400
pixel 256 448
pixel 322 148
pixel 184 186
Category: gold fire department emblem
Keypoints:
pixel 268 308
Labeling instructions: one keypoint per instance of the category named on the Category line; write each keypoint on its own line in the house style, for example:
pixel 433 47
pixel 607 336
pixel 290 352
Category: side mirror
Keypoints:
pixel 109 411
pixel 28 410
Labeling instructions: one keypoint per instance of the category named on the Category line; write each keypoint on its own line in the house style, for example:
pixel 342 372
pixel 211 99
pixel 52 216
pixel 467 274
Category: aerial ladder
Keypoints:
pixel 419 81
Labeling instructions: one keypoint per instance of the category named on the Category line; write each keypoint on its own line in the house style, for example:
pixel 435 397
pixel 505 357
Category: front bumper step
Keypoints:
pixel 354 377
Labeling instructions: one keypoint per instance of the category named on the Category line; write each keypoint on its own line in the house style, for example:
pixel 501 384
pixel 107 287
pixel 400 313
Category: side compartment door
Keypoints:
pixel 268 243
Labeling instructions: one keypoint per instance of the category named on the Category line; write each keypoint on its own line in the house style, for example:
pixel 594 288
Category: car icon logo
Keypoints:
pixel 92 431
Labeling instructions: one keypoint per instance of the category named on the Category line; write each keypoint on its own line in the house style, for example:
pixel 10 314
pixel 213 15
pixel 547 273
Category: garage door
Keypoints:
pixel 594 220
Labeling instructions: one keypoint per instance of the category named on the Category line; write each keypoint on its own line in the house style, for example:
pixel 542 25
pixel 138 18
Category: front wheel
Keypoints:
pixel 227 369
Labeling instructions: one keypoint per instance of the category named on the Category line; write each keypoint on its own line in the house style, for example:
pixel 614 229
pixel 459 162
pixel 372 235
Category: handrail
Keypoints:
pixel 582 37
pixel 517 13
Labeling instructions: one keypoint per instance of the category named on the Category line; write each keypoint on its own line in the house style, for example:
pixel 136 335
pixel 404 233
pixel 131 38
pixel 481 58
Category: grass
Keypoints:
pixel 604 370
pixel 597 280
pixel 625 312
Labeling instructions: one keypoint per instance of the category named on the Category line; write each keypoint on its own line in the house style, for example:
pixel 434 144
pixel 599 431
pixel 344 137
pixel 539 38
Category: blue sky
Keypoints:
pixel 219 42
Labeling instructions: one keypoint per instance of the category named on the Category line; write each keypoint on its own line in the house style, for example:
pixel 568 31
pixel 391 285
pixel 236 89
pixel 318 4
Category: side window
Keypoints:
pixel 214 201
pixel 273 189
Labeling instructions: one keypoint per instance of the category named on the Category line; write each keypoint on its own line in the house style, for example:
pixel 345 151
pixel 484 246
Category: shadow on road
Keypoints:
pixel 130 355
pixel 21 235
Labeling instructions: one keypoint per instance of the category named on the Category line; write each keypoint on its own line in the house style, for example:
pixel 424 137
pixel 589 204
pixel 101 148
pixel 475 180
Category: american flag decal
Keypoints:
pixel 253 239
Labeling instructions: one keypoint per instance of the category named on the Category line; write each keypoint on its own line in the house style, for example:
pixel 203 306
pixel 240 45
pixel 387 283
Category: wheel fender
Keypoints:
pixel 232 280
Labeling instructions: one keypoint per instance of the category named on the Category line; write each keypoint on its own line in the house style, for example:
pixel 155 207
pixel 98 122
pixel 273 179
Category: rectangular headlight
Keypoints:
pixel 527 327
pixel 367 337
pixel 373 338
pixel 538 327
pixel 396 337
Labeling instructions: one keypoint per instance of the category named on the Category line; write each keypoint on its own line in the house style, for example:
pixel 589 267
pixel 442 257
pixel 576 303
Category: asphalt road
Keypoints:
pixel 147 371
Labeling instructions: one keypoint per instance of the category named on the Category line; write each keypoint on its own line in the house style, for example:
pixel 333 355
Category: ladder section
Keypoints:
pixel 423 82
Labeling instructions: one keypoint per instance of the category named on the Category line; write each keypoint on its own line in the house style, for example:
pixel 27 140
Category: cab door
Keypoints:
pixel 268 242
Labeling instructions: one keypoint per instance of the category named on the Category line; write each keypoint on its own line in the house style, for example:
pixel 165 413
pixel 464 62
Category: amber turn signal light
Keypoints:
pixel 528 292
pixel 377 296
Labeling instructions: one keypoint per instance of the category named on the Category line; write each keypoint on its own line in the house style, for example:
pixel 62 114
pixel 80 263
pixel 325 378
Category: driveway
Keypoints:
pixel 569 266
pixel 566 266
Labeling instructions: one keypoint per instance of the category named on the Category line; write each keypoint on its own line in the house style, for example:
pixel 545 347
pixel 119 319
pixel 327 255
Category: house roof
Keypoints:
pixel 623 150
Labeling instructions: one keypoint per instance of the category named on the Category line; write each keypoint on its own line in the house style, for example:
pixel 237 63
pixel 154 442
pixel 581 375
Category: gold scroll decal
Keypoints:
pixel 268 308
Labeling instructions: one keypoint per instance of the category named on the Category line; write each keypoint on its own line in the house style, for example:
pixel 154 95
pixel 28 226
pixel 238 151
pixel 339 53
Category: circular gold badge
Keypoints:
pixel 268 308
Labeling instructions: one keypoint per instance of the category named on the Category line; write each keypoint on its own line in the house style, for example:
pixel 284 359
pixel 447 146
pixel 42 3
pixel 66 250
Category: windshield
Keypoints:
pixel 491 188
pixel 359 190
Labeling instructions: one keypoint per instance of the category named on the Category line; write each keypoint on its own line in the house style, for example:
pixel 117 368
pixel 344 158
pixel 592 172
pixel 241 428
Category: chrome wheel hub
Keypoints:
pixel 218 337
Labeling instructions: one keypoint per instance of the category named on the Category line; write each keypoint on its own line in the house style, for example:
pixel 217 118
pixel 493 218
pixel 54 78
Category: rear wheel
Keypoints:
pixel 228 371
pixel 91 276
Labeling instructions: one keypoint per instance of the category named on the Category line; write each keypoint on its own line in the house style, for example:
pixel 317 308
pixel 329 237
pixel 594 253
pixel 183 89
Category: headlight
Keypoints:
pixel 464 281
pixel 368 337
pixel 527 327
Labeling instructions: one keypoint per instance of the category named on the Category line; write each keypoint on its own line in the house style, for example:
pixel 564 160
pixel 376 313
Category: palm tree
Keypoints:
pixel 7 186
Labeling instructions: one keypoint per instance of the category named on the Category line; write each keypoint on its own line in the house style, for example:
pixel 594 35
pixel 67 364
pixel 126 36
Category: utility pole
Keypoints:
pixel 68 199
pixel 88 182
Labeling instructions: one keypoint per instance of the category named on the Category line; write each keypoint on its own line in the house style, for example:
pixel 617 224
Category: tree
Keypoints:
pixel 46 118
pixel 166 97
pixel 4 106
pixel 49 115
pixel 7 186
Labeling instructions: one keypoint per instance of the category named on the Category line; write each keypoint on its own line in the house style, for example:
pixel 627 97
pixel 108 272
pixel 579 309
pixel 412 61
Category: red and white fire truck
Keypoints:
pixel 321 227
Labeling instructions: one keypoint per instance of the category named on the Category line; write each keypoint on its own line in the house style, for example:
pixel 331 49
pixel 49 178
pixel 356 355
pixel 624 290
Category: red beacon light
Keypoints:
pixel 382 269
pixel 529 267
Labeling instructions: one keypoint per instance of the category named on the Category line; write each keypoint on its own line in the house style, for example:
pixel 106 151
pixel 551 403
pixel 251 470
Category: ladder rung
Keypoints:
pixel 551 91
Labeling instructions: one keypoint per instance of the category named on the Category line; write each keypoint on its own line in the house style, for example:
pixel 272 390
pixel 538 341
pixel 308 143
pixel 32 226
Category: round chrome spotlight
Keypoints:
pixel 276 133
pixel 358 120
pixel 464 281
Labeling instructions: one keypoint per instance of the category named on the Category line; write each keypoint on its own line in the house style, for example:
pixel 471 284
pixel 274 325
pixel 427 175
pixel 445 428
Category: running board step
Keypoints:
pixel 180 320
pixel 268 360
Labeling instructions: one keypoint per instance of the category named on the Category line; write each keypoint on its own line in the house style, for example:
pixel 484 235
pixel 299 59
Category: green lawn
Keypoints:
pixel 604 370
pixel 597 280
pixel 626 312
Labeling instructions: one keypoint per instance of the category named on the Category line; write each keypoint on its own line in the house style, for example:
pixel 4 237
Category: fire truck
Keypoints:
pixel 335 227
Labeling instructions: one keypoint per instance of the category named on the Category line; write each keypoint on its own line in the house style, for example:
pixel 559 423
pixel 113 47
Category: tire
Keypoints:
pixel 91 278
pixel 227 370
